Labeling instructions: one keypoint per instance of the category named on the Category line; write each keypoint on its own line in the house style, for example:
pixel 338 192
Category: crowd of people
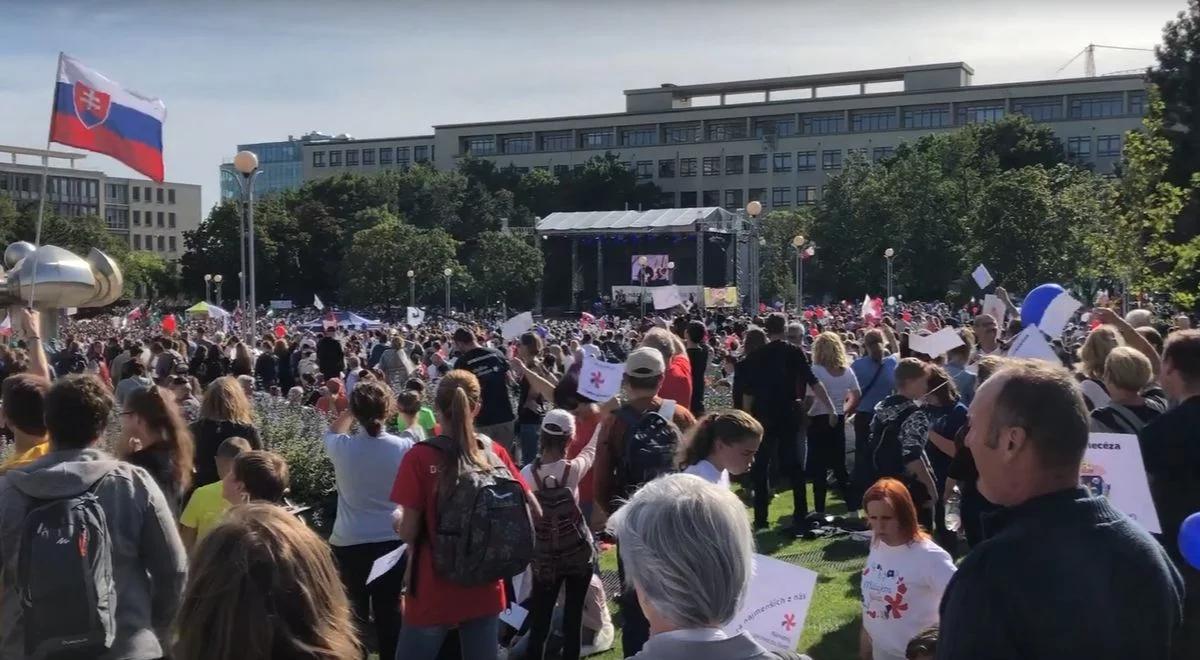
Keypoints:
pixel 478 461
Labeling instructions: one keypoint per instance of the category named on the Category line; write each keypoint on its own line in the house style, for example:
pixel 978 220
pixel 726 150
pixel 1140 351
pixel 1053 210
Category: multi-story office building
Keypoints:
pixel 777 140
pixel 146 215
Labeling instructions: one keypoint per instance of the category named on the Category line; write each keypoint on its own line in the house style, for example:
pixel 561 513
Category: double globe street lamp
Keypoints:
pixel 804 250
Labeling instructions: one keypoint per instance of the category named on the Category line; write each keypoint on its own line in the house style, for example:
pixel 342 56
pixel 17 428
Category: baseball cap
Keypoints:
pixel 644 362
pixel 559 422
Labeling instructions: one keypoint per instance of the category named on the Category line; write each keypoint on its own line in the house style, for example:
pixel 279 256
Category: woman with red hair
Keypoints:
pixel 905 575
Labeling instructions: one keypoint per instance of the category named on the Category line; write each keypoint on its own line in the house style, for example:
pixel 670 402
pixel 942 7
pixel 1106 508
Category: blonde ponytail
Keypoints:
pixel 457 395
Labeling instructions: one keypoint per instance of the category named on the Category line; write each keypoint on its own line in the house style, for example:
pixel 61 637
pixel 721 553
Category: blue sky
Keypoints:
pixel 235 72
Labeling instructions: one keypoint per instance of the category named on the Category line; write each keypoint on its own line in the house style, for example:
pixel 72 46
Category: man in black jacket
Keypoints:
pixel 1062 573
pixel 331 360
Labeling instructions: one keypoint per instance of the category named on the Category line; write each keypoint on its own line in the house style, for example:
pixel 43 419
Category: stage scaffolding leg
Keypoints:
pixel 700 266
pixel 599 267
pixel 574 272
pixel 537 241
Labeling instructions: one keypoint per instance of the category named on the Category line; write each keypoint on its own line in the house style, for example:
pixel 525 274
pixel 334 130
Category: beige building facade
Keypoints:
pixel 776 140
pixel 144 214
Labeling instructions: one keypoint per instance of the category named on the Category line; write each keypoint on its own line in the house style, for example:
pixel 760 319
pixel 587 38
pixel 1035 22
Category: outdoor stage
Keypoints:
pixel 591 254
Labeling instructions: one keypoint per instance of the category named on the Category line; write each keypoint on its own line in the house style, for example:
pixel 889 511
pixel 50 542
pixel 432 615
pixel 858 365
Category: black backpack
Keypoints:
pixel 483 532
pixel 563 544
pixel 887 455
pixel 65 578
pixel 651 440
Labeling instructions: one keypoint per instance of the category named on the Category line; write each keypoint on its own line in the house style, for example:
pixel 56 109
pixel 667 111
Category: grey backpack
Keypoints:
pixel 65 578
pixel 482 532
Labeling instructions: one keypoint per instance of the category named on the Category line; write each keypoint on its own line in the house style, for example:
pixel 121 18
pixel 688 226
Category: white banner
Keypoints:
pixel 600 381
pixel 517 325
pixel 281 304
pixel 982 276
pixel 666 297
pixel 776 604
pixel 1113 468
pixel 1031 343
pixel 994 307
pixel 938 343
pixel 416 316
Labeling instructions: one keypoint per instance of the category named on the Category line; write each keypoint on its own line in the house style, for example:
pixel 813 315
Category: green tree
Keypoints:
pixel 777 255
pixel 149 273
pixel 1177 78
pixel 1138 241
pixel 504 266
pixel 380 257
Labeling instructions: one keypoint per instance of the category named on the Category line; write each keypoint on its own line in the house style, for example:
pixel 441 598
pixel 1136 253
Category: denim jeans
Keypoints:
pixel 478 639
pixel 541 611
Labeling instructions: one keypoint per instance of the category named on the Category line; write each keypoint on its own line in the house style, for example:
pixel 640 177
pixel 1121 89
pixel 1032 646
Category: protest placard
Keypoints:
pixel 416 316
pixel 982 276
pixel 776 604
pixel 1113 468
pixel 1057 313
pixel 666 297
pixel 1031 343
pixel 938 343
pixel 598 380
pixel 995 308
pixel 517 325
pixel 386 562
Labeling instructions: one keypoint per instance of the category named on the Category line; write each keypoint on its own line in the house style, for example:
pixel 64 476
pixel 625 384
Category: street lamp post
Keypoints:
pixel 889 254
pixel 670 272
pixel 642 261
pixel 798 243
pixel 246 163
pixel 753 209
pixel 217 279
pixel 208 288
pixel 412 290
pixel 448 272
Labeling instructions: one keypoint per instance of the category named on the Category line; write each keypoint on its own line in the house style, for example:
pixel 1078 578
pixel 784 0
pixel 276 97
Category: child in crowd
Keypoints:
pixel 722 444
pixel 207 505
pixel 408 412
pixel 256 476
pixel 425 416
pixel 555 482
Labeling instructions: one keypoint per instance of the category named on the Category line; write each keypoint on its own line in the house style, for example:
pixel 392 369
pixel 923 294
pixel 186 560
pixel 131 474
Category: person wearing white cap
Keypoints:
pixel 561 558
pixel 634 446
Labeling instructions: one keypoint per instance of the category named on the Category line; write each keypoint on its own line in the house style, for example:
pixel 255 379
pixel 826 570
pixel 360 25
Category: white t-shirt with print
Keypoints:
pixel 901 589
pixel 709 472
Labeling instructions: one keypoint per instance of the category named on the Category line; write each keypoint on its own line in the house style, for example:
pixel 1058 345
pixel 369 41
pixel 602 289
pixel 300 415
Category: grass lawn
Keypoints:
pixel 831 629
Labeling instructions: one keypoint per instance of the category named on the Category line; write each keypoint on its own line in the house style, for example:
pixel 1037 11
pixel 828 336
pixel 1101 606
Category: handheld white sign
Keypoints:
pixel 776 604
pixel 598 380
pixel 982 276
pixel 666 297
pixel 1031 343
pixel 517 325
pixel 1112 467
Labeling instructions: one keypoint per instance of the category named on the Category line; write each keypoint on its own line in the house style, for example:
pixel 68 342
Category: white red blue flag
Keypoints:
pixel 94 113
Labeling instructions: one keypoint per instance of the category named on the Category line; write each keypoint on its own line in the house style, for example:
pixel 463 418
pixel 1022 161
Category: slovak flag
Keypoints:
pixel 94 113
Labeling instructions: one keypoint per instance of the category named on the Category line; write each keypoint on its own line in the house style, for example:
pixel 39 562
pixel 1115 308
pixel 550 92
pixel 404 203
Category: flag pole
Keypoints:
pixel 37 232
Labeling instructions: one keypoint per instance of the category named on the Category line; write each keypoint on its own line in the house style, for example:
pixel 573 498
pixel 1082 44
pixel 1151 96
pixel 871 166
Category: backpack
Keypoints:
pixel 65 578
pixel 482 533
pixel 651 439
pixel 563 544
pixel 887 455
pixel 76 363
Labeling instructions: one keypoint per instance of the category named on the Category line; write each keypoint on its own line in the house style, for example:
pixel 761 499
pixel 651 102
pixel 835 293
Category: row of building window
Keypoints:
pixel 150 218
pixel 142 194
pixel 367 157
pixel 167 245
pixel 830 123
pixel 806 161
pixel 734 199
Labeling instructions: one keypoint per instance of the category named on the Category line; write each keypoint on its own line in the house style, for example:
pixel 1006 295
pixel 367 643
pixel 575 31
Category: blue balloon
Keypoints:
pixel 1036 302
pixel 1189 540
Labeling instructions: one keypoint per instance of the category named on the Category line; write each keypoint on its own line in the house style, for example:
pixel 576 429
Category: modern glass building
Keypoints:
pixel 280 163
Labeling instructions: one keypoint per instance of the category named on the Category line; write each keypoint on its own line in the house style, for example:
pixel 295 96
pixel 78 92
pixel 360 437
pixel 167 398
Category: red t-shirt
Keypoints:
pixel 677 381
pixel 439 602
pixel 584 429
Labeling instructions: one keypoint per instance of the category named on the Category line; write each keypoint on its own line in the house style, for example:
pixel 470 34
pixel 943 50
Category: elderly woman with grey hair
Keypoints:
pixel 687 550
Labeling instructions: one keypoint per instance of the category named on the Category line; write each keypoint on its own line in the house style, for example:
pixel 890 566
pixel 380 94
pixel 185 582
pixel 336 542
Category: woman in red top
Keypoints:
pixel 677 380
pixel 434 605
